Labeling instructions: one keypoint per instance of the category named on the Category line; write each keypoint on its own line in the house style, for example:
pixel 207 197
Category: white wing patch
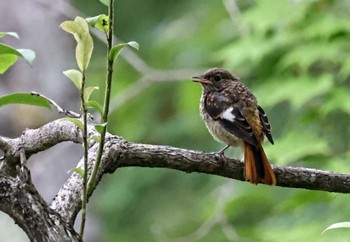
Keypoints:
pixel 228 115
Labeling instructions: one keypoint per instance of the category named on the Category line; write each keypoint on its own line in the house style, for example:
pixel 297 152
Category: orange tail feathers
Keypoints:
pixel 257 166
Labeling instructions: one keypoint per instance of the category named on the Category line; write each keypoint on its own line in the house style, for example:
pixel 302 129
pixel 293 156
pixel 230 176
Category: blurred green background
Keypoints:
pixel 294 56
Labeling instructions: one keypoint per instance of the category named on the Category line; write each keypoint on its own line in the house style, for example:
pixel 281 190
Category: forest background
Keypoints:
pixel 294 56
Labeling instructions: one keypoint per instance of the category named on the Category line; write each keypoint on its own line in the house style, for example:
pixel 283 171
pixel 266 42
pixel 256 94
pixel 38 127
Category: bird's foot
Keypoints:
pixel 222 151
pixel 221 158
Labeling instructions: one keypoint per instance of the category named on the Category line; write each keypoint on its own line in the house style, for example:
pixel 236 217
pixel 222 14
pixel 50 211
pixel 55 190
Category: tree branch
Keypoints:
pixel 119 153
pixel 143 155
pixel 23 203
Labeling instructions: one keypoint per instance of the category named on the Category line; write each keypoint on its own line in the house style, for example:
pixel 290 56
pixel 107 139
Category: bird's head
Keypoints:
pixel 215 79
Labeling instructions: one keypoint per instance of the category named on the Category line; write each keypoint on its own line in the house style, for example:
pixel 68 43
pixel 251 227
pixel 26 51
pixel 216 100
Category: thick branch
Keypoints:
pixel 33 141
pixel 119 153
pixel 23 203
pixel 131 154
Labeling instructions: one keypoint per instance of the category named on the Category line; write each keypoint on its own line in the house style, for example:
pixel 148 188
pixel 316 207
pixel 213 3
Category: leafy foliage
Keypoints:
pixel 294 55
pixel 80 30
pixel 8 54
pixel 24 98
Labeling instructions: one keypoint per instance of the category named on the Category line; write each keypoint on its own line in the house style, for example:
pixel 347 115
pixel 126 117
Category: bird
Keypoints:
pixel 232 116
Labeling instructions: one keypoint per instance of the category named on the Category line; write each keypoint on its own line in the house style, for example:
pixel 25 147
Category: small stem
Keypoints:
pixel 107 96
pixel 66 112
pixel 85 144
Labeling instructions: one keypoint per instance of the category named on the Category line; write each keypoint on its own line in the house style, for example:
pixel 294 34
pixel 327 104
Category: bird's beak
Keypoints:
pixel 200 80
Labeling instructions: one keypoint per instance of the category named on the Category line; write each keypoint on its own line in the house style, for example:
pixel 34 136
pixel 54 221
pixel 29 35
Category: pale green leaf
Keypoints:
pixel 96 105
pixel 115 51
pixel 75 121
pixel 6 61
pixel 82 22
pixel 24 98
pixel 78 170
pixel 83 51
pixel 337 226
pixel 88 91
pixel 73 28
pixel 28 55
pixel 75 76
pixel 97 138
pixel 134 45
pixel 13 34
pixel 80 30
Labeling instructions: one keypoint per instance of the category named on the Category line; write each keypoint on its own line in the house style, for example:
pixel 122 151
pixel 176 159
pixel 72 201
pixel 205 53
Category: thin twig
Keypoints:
pixel 86 154
pixel 107 97
pixel 66 112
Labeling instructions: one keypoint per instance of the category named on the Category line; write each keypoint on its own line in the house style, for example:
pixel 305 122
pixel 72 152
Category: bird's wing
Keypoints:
pixel 229 115
pixel 265 123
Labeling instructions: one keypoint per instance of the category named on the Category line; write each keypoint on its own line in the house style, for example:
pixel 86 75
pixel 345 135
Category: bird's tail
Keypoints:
pixel 257 166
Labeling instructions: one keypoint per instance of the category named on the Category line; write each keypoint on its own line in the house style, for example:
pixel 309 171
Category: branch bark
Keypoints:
pixel 20 200
pixel 57 219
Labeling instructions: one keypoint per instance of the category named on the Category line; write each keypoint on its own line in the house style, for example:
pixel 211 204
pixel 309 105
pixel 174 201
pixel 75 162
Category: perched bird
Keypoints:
pixel 232 115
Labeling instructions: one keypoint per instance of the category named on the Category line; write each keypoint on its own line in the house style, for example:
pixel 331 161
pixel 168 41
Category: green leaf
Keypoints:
pixel 100 127
pixel 84 51
pixel 115 51
pixel 75 76
pixel 13 34
pixel 6 61
pixel 97 138
pixel 80 30
pixel 100 22
pixel 96 105
pixel 337 226
pixel 27 54
pixel 5 49
pixel 75 121
pixel 105 2
pixel 87 93
pixel 24 98
pixel 73 28
pixel 134 45
pixel 82 22
pixel 78 170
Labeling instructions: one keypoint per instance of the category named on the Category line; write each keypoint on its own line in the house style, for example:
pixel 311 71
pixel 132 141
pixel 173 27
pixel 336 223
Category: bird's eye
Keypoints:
pixel 217 78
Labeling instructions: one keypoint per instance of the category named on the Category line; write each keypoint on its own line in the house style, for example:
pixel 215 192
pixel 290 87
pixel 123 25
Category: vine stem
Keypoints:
pixel 85 145
pixel 107 97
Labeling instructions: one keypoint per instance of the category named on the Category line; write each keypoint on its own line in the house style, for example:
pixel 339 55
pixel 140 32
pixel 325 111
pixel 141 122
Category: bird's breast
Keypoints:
pixel 218 132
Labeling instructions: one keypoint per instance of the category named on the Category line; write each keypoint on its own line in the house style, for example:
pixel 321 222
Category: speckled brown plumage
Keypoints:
pixel 232 115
